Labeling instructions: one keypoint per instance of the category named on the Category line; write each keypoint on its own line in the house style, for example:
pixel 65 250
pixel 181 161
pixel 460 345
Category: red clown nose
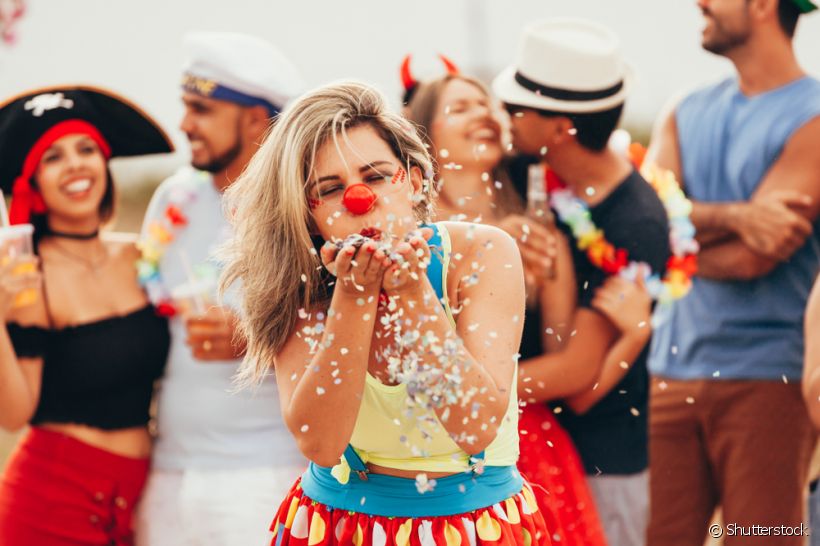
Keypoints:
pixel 359 199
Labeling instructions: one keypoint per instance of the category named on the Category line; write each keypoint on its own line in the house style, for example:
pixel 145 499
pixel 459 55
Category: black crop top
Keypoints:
pixel 99 374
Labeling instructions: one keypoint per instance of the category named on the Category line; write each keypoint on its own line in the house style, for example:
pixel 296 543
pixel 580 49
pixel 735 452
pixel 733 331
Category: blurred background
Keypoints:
pixel 134 47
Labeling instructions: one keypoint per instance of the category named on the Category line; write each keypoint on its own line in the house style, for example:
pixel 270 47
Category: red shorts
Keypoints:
pixel 59 491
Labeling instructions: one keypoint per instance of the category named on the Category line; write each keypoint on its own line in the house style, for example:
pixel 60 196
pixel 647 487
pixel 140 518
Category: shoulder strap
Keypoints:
pixel 435 270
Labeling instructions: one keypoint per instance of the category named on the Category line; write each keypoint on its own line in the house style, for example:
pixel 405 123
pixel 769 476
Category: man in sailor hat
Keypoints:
pixel 222 458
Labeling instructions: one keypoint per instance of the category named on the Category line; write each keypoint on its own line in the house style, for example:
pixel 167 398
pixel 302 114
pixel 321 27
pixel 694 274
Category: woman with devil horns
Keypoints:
pixel 456 114
pixel 82 346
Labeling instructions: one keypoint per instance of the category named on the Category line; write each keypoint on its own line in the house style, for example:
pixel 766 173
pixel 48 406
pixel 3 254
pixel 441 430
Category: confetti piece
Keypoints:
pixel 304 428
pixel 690 400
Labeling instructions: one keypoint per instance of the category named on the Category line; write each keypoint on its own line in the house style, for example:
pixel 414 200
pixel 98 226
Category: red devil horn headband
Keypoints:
pixel 407 79
pixel 410 83
pixel 449 65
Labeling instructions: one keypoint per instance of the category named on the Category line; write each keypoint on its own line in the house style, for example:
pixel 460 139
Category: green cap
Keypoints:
pixel 805 6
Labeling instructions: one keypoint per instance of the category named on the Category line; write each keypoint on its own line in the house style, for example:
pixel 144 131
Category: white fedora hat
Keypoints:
pixel 566 65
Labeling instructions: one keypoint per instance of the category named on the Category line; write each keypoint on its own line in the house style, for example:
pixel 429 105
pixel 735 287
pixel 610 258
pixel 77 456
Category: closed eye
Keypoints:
pixel 375 178
pixel 329 189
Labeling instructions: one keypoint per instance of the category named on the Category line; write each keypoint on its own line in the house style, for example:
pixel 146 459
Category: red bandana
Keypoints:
pixel 25 200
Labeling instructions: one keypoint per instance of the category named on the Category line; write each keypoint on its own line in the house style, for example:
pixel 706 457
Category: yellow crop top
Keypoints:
pixel 390 432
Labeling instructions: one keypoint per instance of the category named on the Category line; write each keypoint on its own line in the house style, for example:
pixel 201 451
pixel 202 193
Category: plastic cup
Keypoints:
pixel 193 298
pixel 18 242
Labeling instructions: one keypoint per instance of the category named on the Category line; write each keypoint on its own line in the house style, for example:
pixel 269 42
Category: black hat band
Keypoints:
pixel 559 93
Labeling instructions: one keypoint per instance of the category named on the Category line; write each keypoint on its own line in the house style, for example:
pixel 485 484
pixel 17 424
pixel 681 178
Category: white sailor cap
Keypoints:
pixel 239 68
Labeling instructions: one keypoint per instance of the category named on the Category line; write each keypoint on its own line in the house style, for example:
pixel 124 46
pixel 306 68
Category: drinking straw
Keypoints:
pixel 4 212
pixel 199 304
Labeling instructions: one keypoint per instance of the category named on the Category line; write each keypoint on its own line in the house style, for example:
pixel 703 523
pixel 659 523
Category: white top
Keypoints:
pixel 203 423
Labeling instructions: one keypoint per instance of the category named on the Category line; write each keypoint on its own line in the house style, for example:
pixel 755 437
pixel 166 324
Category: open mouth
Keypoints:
pixel 77 187
pixel 485 133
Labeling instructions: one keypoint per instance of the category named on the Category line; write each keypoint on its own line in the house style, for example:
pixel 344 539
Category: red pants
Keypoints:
pixel 58 491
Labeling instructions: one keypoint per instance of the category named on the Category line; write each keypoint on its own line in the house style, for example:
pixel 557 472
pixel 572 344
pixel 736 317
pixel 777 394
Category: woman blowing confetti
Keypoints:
pixel 393 341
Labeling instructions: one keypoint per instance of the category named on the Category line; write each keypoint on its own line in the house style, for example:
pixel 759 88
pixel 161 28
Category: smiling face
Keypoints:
pixel 213 128
pixel 362 160
pixel 72 178
pixel 464 130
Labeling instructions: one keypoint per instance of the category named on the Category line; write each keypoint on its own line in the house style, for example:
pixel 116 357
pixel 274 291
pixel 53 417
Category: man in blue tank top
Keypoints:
pixel 222 459
pixel 728 426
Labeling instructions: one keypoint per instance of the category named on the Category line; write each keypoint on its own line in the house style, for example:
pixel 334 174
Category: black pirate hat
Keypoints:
pixel 31 122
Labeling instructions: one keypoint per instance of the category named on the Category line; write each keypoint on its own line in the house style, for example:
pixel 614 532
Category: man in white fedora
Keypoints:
pixel 728 425
pixel 222 459
pixel 565 94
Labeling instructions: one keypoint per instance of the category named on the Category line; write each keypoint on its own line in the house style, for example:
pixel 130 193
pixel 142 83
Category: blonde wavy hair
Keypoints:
pixel 272 252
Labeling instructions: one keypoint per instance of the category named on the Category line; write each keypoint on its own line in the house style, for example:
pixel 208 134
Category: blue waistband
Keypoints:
pixel 390 496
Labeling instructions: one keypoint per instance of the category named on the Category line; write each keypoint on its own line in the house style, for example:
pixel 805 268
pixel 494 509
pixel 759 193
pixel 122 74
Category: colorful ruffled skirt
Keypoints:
pixel 551 463
pixel 514 521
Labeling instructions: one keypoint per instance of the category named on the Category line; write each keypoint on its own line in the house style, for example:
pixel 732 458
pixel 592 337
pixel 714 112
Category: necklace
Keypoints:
pixel 681 266
pixel 68 235
pixel 158 236
pixel 91 265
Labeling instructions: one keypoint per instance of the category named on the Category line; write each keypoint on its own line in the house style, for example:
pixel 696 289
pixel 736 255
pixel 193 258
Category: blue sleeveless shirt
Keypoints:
pixel 739 329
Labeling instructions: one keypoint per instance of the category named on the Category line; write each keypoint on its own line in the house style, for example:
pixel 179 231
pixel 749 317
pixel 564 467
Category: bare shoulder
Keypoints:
pixel 804 140
pixel 481 250
pixel 468 238
pixel 122 245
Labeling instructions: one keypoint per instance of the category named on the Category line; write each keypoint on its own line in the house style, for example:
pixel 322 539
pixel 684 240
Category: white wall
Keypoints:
pixel 133 46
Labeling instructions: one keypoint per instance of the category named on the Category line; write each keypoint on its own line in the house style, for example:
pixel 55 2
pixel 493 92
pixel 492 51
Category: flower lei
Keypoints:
pixel 160 234
pixel 680 267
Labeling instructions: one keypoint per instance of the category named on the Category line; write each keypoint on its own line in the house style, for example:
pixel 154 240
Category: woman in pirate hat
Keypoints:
pixel 80 354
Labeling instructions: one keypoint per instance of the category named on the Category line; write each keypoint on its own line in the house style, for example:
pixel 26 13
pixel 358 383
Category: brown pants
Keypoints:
pixel 741 445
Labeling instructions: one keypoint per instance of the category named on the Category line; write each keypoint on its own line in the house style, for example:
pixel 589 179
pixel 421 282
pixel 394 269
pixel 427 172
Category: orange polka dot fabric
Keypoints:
pixel 516 521
pixel 549 460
